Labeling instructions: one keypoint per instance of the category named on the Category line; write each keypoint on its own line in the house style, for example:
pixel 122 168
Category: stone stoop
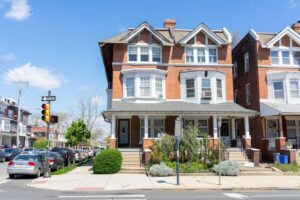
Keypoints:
pixel 257 171
pixel 236 154
pixel 131 162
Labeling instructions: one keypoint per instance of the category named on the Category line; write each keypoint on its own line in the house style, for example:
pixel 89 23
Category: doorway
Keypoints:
pixel 225 134
pixel 123 132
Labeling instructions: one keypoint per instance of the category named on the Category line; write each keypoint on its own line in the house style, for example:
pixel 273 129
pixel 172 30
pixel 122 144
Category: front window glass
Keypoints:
pixel 212 55
pixel 278 90
pixel 219 88
pixel 272 128
pixel 189 55
pixel 156 54
pixel 202 127
pixel 190 88
pixel 132 51
pixel 144 54
pixel 158 129
pixel 201 55
pixel 158 87
pixel 275 57
pixel 206 89
pixel 145 86
pixel 294 88
pixel 285 57
pixel 130 87
pixel 296 57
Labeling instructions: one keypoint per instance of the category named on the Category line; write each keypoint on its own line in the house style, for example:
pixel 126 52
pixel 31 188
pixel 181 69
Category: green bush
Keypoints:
pixel 160 170
pixel 109 161
pixel 189 167
pixel 40 143
pixel 189 145
pixel 228 168
pixel 162 149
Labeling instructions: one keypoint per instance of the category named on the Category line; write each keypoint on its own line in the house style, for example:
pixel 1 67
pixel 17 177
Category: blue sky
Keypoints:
pixel 58 39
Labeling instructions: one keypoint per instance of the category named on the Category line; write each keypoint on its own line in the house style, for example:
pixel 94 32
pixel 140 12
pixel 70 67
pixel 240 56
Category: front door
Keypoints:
pixel 225 136
pixel 123 133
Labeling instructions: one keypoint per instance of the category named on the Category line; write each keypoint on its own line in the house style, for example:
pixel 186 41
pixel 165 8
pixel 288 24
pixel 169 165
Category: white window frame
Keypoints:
pixel 152 127
pixel 150 55
pixel 195 121
pixel 283 90
pixel 159 91
pixel 210 88
pixel 246 62
pixel 186 88
pixel 126 87
pixel 145 86
pixel 195 54
pixel 298 89
pixel 291 51
pixel 248 94
pixel 218 88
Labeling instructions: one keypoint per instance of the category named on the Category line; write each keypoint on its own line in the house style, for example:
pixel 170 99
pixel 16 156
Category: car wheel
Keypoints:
pixel 38 174
pixel 11 176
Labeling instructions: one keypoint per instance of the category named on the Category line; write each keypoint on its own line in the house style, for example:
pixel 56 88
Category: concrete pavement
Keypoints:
pixel 82 179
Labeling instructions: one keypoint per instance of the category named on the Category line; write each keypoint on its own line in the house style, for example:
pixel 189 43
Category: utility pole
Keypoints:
pixel 47 174
pixel 19 109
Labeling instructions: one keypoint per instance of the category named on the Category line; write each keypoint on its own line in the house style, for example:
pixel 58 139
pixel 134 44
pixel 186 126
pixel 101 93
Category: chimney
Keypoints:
pixel 296 27
pixel 169 23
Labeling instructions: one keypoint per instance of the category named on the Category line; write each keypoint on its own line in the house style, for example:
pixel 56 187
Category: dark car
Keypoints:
pixel 55 160
pixel 67 154
pixel 9 154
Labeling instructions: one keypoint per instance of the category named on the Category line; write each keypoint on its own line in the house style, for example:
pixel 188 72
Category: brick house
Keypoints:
pixel 266 76
pixel 156 75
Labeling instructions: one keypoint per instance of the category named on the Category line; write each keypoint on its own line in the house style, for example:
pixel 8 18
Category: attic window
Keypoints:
pixel 144 53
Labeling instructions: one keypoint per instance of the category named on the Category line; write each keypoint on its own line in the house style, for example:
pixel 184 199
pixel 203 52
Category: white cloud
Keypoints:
pixel 292 4
pixel 37 76
pixel 19 10
pixel 9 57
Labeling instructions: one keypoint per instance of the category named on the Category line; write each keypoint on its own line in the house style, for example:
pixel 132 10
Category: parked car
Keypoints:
pixel 96 150
pixel 66 153
pixel 41 150
pixel 55 160
pixel 27 164
pixel 9 154
pixel 79 156
pixel 29 150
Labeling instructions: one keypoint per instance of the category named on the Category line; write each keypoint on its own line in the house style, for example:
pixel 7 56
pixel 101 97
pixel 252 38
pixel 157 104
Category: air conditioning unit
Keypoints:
pixel 206 95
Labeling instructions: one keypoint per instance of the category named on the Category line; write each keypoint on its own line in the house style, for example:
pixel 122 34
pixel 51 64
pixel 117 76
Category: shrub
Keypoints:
pixel 189 145
pixel 160 170
pixel 189 167
pixel 109 161
pixel 228 168
pixel 40 143
pixel 167 145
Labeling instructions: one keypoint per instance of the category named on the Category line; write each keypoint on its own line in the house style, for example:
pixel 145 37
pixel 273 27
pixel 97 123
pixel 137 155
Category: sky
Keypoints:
pixel 54 43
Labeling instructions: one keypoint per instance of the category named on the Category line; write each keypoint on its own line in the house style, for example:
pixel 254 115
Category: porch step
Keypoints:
pixel 131 162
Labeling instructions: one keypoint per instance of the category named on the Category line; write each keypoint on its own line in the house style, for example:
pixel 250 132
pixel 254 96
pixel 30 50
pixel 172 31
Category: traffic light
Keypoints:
pixel 46 112
pixel 53 119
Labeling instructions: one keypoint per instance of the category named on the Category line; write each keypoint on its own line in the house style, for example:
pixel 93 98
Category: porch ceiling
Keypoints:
pixel 177 107
pixel 272 109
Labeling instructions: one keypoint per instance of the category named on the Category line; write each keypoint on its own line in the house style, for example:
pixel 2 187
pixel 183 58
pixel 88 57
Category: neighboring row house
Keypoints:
pixel 57 138
pixel 266 76
pixel 156 75
pixel 8 124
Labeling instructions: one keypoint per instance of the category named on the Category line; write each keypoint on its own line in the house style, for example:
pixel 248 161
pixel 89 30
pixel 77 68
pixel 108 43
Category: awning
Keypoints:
pixel 273 109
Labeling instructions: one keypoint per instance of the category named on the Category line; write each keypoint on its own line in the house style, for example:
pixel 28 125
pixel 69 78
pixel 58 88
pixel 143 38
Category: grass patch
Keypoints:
pixel 291 167
pixel 68 168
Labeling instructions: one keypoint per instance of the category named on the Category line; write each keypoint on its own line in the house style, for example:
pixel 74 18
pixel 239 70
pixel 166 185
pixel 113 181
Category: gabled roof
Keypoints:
pixel 269 39
pixel 147 26
pixel 209 32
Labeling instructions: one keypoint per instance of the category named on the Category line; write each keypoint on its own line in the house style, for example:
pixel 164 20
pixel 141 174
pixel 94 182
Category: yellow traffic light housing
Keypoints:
pixel 46 112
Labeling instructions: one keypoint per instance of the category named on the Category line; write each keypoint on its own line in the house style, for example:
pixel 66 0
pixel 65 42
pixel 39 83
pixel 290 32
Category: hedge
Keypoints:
pixel 108 161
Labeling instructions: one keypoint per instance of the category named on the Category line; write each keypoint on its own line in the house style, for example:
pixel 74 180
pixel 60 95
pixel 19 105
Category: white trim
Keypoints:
pixel 138 54
pixel 254 34
pixel 287 31
pixel 173 64
pixel 206 51
pixel 228 34
pixel 279 66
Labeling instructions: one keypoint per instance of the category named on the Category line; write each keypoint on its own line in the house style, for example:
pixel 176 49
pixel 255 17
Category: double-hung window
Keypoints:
pixel 145 87
pixel 278 90
pixel 190 88
pixel 219 88
pixel 275 57
pixel 158 87
pixel 202 127
pixel 294 88
pixel 291 129
pixel 130 87
pixel 206 88
pixel 189 55
pixel 212 55
pixel 285 57
pixel 132 51
pixel 246 62
pixel 144 56
pixel 201 55
pixel 156 54
pixel 296 57
pixel 158 128
pixel 248 94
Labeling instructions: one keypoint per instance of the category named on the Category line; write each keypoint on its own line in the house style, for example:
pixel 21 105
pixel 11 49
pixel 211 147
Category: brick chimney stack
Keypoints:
pixel 296 27
pixel 169 23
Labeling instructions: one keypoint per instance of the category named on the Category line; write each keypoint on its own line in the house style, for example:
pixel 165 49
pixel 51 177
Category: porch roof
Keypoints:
pixel 272 109
pixel 177 107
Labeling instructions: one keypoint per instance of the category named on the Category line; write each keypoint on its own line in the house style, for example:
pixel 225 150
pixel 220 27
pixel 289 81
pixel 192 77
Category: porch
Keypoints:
pixel 138 124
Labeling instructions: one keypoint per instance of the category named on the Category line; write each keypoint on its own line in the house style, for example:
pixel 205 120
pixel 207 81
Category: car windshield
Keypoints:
pixel 25 157
pixel 7 150
pixel 59 150
pixel 28 149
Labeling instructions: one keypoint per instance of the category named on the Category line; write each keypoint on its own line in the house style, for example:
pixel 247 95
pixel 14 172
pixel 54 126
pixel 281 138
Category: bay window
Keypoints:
pixel 206 88
pixel 145 87
pixel 294 88
pixel 219 88
pixel 190 88
pixel 129 87
pixel 278 90
pixel 144 53
pixel 158 87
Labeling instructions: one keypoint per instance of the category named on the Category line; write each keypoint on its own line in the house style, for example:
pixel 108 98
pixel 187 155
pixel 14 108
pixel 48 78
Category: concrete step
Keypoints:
pixel 234 150
pixel 133 167
pixel 258 173
pixel 131 172
pixel 130 163
pixel 255 169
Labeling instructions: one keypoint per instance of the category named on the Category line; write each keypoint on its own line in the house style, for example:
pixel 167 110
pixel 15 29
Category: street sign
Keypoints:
pixel 48 98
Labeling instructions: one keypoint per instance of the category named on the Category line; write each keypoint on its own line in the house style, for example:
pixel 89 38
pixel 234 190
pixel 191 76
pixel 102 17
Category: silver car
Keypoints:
pixel 27 164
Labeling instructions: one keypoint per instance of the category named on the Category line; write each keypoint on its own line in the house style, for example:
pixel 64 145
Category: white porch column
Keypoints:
pixel 1 140
pixel 246 124
pixel 215 125
pixel 146 126
pixel 233 135
pixel 113 127
pixel 280 127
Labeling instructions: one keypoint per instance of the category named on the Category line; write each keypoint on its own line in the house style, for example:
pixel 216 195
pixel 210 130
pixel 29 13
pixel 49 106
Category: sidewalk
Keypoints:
pixel 82 179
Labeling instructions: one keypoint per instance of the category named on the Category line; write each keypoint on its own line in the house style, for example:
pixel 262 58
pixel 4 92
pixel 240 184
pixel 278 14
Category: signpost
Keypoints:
pixel 48 98
pixel 219 122
pixel 178 134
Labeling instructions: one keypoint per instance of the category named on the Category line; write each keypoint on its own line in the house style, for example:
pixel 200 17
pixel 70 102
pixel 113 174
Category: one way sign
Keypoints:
pixel 48 98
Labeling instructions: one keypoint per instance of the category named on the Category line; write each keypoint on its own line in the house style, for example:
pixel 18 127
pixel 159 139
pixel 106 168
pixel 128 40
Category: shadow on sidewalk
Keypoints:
pixel 207 182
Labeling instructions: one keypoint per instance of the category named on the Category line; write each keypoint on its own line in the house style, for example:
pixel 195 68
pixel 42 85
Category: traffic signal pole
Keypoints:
pixel 48 174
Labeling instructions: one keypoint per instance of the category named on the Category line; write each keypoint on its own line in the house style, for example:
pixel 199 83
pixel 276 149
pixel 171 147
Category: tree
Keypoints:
pixel 77 133
pixel 40 143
